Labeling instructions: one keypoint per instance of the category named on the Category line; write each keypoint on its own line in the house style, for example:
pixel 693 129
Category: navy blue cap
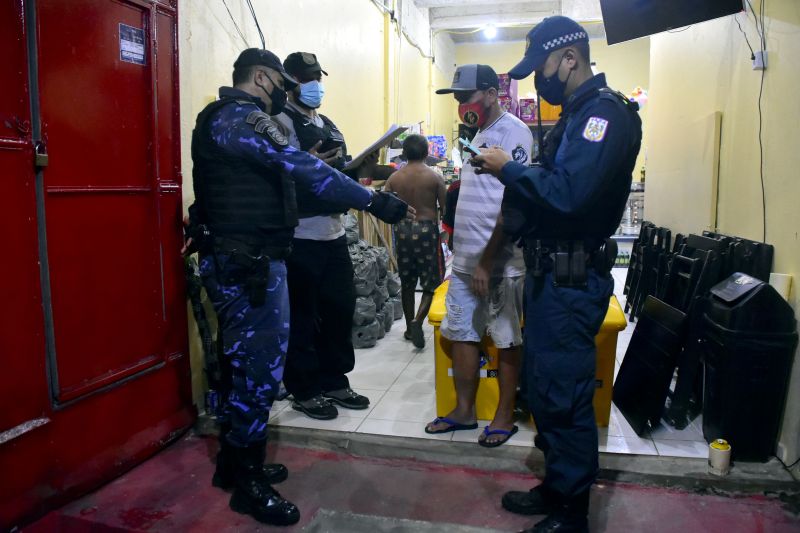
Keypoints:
pixel 258 56
pixel 550 34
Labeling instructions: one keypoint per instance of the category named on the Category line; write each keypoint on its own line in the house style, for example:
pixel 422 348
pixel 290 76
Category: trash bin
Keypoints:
pixel 488 393
pixel 748 341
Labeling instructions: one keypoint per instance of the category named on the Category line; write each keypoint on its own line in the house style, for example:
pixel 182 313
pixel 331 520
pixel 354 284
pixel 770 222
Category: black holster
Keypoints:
pixel 253 259
pixel 256 275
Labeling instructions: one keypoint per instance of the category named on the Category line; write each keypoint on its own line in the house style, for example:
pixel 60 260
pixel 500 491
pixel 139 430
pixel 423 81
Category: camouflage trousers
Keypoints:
pixel 254 342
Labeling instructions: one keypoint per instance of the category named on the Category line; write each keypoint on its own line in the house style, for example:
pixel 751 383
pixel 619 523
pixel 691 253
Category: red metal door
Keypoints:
pixel 97 376
pixel 23 384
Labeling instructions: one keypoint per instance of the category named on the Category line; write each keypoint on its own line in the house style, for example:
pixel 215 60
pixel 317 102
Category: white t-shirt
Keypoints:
pixel 319 228
pixel 479 200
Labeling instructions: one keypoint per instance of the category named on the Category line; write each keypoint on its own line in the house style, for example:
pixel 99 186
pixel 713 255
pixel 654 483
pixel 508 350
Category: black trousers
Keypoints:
pixel 322 301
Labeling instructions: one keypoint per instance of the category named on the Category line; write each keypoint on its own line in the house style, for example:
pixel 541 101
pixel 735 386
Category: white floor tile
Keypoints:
pixel 666 432
pixel 680 448
pixel 378 377
pixel 399 428
pixel 618 426
pixel 278 407
pixel 405 406
pixel 418 378
pixel 292 418
pixel 631 445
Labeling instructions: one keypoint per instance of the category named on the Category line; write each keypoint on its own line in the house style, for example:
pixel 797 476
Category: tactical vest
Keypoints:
pixel 310 134
pixel 237 196
pixel 519 221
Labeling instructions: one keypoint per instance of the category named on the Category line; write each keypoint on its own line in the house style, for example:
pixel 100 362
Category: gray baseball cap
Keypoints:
pixel 472 78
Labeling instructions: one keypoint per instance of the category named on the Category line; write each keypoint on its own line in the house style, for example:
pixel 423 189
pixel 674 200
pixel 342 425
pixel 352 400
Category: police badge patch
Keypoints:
pixel 519 154
pixel 263 125
pixel 595 130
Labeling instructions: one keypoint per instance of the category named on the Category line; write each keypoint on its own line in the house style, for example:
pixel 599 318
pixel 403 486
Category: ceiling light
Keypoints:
pixel 490 31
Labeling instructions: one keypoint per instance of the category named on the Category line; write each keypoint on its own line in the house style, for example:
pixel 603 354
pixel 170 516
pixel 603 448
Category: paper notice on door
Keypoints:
pixel 131 44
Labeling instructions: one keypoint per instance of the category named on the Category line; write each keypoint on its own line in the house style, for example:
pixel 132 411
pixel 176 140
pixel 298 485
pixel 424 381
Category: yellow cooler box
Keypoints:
pixel 488 390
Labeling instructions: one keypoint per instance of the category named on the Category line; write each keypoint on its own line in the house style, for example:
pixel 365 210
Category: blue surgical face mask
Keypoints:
pixel 551 89
pixel 311 93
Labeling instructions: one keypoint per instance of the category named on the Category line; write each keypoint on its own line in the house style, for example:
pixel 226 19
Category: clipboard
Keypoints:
pixel 391 134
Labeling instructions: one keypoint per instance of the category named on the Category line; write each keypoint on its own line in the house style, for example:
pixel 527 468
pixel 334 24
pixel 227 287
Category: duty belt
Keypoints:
pixel 568 259
pixel 251 246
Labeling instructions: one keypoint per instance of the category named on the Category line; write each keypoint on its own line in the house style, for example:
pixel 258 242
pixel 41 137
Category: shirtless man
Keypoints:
pixel 419 252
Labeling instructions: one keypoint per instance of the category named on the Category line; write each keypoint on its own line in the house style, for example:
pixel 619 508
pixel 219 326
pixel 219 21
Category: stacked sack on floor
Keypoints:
pixel 377 290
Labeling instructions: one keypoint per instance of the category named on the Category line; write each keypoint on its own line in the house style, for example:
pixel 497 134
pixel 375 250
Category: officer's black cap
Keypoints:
pixel 302 64
pixel 470 78
pixel 259 57
pixel 549 35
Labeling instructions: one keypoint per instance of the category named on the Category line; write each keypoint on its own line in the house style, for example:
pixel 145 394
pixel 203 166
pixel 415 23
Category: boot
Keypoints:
pixel 253 494
pixel 571 516
pixel 224 474
pixel 538 500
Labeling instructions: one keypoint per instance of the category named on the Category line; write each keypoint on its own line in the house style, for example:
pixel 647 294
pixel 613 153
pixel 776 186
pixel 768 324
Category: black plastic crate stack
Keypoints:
pixel 667 292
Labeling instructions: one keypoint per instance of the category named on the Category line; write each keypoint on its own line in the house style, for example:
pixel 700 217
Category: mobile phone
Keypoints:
pixel 469 147
pixel 329 144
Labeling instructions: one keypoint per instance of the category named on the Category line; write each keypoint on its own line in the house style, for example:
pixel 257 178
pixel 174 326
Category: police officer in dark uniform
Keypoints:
pixel 242 222
pixel 564 211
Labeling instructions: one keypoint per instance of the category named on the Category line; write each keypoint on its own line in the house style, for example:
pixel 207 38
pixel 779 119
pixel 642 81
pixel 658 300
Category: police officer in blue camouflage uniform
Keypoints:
pixel 242 223
pixel 564 212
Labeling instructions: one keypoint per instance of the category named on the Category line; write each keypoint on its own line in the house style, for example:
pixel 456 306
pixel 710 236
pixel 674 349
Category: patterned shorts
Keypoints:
pixel 419 253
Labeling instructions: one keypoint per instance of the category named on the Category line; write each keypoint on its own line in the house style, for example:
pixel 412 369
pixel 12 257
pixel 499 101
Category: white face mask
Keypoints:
pixel 311 93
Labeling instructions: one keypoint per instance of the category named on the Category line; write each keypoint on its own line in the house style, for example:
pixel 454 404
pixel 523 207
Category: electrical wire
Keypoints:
pixel 787 467
pixel 258 26
pixel 758 18
pixel 752 54
pixel 761 163
pixel 680 30
pixel 234 24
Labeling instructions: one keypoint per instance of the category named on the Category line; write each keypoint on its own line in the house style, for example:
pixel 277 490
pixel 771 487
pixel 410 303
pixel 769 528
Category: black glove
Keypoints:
pixel 387 207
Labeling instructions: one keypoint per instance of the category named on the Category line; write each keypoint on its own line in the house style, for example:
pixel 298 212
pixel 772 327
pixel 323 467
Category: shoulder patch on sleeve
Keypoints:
pixel 264 126
pixel 595 130
pixel 519 154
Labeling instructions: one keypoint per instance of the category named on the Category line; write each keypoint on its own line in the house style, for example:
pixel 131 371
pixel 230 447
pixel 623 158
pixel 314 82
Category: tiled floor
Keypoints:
pixel 399 380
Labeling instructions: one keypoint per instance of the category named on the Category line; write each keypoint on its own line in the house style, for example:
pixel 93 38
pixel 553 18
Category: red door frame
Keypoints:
pixel 54 446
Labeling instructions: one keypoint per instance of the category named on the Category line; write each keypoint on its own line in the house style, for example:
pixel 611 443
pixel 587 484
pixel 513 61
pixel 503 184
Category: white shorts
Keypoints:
pixel 497 315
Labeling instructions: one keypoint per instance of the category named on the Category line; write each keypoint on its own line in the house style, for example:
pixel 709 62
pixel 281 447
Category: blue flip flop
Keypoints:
pixel 454 426
pixel 488 432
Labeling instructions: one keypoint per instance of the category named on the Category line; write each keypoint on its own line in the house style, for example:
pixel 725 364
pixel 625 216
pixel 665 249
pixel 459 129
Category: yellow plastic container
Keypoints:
pixel 488 389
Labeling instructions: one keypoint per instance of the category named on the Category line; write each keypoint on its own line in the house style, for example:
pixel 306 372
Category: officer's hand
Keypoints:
pixel 490 161
pixel 480 280
pixel 389 208
pixel 328 157
pixel 187 243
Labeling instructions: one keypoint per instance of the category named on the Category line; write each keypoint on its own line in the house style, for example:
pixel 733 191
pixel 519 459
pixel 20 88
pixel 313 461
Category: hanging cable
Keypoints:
pixel 752 53
pixel 758 19
pixel 234 24
pixel 258 26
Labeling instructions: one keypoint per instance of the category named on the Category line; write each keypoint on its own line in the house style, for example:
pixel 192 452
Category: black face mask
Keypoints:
pixel 278 97
pixel 551 89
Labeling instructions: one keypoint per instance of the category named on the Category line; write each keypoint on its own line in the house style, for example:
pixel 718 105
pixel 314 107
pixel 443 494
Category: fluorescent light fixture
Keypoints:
pixel 490 31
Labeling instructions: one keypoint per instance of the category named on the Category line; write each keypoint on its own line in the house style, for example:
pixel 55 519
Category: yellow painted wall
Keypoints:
pixel 707 69
pixel 348 37
pixel 626 65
